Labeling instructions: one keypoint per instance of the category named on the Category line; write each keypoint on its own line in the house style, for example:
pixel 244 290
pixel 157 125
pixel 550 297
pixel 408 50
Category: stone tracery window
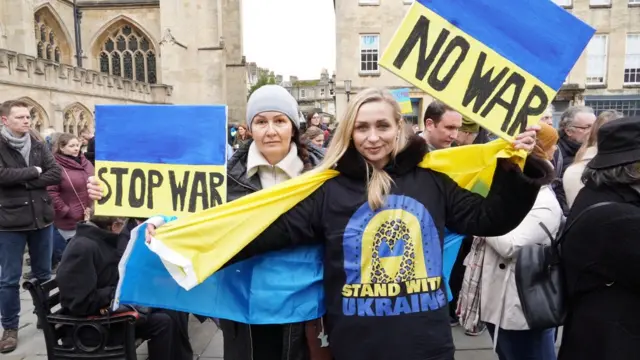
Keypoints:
pixel 128 53
pixel 50 45
pixel 76 118
pixel 37 120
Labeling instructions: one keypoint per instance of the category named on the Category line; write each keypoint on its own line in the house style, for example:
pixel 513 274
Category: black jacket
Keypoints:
pixel 88 272
pixel 24 201
pixel 601 259
pixel 248 342
pixel 91 151
pixel 383 269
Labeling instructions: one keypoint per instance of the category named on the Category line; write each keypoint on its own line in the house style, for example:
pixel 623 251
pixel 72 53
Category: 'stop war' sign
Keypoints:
pixel 160 159
pixel 497 62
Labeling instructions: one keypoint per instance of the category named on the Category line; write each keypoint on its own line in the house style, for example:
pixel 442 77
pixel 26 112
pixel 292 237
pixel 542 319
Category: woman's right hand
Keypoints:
pixel 94 189
pixel 151 231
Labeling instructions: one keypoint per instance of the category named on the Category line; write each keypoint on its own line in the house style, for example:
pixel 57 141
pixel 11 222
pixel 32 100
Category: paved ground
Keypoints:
pixel 206 340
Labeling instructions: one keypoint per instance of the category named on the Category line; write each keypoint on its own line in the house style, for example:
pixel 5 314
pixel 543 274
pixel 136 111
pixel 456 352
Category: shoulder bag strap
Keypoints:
pixel 74 191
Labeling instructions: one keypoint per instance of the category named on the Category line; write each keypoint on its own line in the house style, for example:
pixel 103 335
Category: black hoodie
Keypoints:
pixel 88 272
pixel 383 269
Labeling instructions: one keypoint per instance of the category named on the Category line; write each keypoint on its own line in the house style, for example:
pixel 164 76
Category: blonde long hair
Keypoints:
pixel 592 140
pixel 379 182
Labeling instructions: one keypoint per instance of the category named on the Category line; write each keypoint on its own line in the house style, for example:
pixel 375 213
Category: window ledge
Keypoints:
pixel 567 7
pixel 369 74
pixel 631 86
pixel 634 5
pixel 369 4
pixel 596 86
pixel 603 6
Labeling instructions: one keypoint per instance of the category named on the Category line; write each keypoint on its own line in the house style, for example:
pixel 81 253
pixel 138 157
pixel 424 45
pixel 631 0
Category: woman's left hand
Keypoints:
pixel 527 139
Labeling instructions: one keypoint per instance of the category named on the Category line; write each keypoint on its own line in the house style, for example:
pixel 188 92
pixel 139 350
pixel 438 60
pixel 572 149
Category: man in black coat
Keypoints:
pixel 26 212
pixel 88 277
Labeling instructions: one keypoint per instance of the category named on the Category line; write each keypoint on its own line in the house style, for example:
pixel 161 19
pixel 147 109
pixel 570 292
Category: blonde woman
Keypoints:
pixel 571 181
pixel 382 224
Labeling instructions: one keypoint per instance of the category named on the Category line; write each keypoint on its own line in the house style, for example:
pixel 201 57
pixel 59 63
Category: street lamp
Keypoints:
pixel 332 91
pixel 347 88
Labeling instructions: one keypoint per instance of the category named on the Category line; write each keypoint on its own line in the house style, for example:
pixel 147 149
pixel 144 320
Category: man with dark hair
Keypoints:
pixel 26 213
pixel 88 277
pixel 441 125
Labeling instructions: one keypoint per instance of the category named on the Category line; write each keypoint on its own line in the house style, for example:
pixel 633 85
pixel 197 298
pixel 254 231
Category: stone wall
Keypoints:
pixel 198 47
pixel 55 87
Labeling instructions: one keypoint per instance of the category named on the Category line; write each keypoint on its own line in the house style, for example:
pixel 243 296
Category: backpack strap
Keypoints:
pixel 558 240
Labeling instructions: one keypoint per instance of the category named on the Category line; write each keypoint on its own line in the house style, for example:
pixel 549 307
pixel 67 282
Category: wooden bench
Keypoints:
pixel 64 334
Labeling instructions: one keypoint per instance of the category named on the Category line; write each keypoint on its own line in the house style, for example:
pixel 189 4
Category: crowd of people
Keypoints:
pixel 47 189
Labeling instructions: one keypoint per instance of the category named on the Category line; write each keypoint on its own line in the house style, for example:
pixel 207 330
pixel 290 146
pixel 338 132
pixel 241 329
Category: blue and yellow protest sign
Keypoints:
pixel 402 97
pixel 497 62
pixel 160 159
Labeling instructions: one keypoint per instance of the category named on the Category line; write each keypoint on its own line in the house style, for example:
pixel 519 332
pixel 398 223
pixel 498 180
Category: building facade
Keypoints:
pixel 607 75
pixel 313 96
pixel 64 60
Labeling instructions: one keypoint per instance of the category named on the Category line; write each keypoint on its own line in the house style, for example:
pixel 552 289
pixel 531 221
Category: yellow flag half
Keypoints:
pixel 194 247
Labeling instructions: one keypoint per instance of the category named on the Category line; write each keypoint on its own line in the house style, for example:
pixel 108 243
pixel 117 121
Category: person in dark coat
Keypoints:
pixel 26 214
pixel 87 279
pixel 90 154
pixel 382 223
pixel 601 252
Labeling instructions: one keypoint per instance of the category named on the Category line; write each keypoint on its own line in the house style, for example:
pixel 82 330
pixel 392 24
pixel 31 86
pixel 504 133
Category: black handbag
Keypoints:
pixel 540 280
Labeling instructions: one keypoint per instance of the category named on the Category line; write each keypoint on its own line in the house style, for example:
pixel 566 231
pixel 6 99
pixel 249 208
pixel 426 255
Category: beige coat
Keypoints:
pixel 499 303
pixel 571 181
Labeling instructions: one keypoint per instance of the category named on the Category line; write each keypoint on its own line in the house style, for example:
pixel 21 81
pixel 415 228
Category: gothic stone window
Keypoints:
pixel 37 120
pixel 128 53
pixel 50 44
pixel 76 118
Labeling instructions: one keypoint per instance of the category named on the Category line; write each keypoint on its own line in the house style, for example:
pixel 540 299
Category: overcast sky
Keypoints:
pixel 290 37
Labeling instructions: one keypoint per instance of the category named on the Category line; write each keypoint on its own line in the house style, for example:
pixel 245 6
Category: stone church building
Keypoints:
pixel 130 52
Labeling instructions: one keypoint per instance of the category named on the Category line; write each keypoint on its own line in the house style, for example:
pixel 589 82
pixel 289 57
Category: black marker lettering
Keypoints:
pixel 481 86
pixel 215 180
pixel 155 181
pixel 108 193
pixel 198 190
pixel 516 80
pixel 520 123
pixel 457 42
pixel 136 201
pixel 178 190
pixel 119 173
pixel 420 34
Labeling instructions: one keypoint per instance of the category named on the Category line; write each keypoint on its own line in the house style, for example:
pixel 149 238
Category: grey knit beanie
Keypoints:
pixel 272 98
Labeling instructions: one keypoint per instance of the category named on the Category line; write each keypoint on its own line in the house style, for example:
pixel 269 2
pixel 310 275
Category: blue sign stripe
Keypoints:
pixel 537 35
pixel 165 134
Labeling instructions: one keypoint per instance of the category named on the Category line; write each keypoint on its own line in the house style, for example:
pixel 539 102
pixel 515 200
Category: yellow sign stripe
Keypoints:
pixel 145 190
pixel 453 67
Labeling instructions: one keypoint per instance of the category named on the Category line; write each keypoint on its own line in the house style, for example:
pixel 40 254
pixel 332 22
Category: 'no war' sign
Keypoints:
pixel 160 159
pixel 497 62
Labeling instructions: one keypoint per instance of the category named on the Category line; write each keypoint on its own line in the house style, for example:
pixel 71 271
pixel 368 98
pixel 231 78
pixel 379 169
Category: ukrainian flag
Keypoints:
pixel 193 249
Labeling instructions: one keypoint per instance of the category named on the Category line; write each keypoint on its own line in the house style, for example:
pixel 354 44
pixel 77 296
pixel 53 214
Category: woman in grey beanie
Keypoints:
pixel 276 154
